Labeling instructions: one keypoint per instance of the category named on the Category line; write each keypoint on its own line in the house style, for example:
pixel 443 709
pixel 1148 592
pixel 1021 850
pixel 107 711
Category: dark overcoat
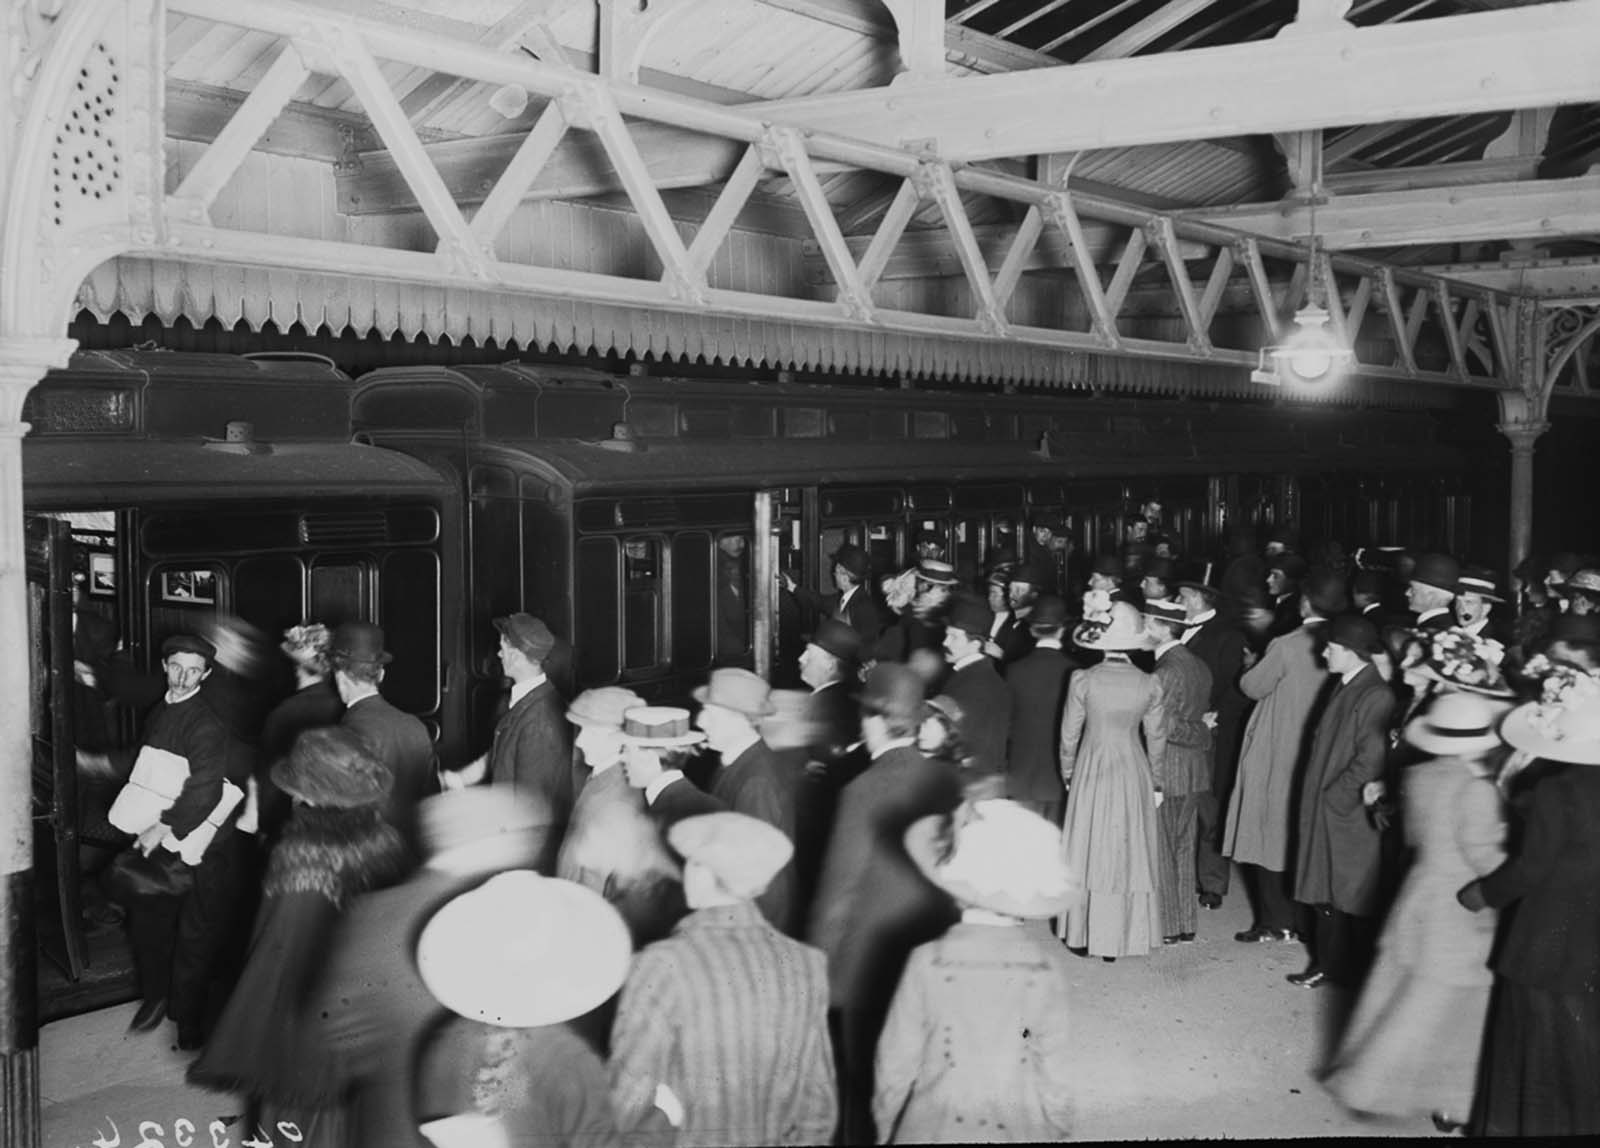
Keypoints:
pixel 985 713
pixel 1338 845
pixel 1038 685
pixel 401 742
pixel 532 753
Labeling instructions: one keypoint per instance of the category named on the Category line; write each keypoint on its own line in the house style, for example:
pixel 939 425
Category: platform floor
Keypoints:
pixel 1196 1041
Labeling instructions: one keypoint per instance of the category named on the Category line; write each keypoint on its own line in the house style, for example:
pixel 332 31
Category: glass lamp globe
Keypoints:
pixel 1311 354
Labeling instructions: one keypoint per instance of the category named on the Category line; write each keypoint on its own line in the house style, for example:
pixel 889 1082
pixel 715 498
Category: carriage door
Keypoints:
pixel 50 720
pixel 785 519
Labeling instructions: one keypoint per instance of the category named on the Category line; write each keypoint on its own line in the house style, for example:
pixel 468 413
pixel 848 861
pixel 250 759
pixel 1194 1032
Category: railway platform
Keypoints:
pixel 1196 1041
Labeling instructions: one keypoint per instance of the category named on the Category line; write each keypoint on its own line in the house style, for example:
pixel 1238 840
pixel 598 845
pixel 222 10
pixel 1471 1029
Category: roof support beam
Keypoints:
pixel 1537 209
pixel 1532 57
pixel 1557 280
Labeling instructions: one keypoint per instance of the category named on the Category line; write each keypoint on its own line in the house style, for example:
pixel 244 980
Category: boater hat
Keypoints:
pixel 993 855
pixel 1457 723
pixel 524 951
pixel 1440 571
pixel 937 572
pixel 659 727
pixel 1479 580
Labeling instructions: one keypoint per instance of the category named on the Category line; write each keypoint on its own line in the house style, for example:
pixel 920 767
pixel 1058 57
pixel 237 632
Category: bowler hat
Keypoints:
pixel 1479 580
pixel 744 852
pixel 1354 632
pixel 1293 566
pixel 1163 570
pixel 524 951
pixel 937 572
pixel 331 767
pixel 1367 582
pixel 893 690
pixel 1000 560
pixel 1325 591
pixel 1285 536
pixel 1108 565
pixel 359 642
pixel 1033 573
pixel 660 726
pixel 838 639
pixel 971 616
pixel 528 634
pixel 738 690
pixel 602 707
pixel 853 559
pixel 1048 611
pixel 1439 571
pixel 189 644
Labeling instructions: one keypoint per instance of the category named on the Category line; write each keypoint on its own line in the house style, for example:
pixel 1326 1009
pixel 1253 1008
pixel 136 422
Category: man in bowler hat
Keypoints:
pixel 851 603
pixel 976 686
pixel 1038 685
pixel 1431 591
pixel 393 736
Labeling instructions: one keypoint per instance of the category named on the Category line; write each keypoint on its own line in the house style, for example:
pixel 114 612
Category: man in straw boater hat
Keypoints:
pixel 375 1007
pixel 515 959
pixel 727 1015
pixel 1285 684
pixel 1216 639
pixel 1542 1054
pixel 394 737
pixel 1336 874
pixel 532 746
pixel 872 905
pixel 1185 769
pixel 851 602
pixel 976 685
pixel 611 843
pixel 1477 594
pixel 987 997
pixel 1412 1045
pixel 1038 685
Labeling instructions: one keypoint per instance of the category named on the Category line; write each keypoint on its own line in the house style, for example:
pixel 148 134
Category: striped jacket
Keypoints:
pixel 731 1015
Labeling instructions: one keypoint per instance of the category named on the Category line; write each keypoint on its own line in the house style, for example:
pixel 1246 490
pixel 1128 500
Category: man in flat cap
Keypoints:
pixel 727 1016
pixel 976 686
pixel 1337 869
pixel 177 938
pixel 532 746
pixel 851 602
pixel 1431 591
pixel 873 906
pixel 1038 685
pixel 394 737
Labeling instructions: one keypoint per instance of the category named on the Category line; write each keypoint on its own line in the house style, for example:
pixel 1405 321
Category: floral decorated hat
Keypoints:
pixel 1564 724
pixel 1459 660
pixel 1120 628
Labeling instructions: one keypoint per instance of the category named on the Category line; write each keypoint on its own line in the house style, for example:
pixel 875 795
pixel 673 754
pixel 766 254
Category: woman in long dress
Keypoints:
pixel 1412 1045
pixel 336 845
pixel 1110 840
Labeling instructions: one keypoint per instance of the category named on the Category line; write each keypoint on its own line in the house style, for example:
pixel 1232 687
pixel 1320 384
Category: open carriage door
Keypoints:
pixel 780 522
pixel 55 777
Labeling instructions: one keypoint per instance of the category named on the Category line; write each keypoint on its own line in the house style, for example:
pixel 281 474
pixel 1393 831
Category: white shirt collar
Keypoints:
pixel 845 597
pixel 178 701
pixel 1047 644
pixel 1350 675
pixel 999 620
pixel 1433 613
pixel 1165 646
pixel 1199 620
pixel 520 690
pixel 739 747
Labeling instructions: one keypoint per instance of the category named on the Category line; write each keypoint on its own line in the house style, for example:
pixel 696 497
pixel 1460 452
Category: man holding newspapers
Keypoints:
pixel 177 882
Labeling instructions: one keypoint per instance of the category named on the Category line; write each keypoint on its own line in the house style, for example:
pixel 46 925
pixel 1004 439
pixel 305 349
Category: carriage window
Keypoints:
pixel 270 593
pixel 834 537
pixel 692 597
pixel 595 612
pixel 183 600
pixel 969 551
pixel 641 603
pixel 409 615
pixel 496 573
pixel 1004 537
pixel 733 596
pixel 339 592
pixel 883 548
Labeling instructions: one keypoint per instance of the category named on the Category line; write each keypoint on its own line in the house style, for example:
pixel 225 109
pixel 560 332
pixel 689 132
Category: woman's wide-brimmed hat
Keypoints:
pixel 331 768
pixel 1565 725
pixel 738 690
pixel 1125 631
pixel 659 726
pixel 993 855
pixel 524 951
pixel 1457 724
pixel 1461 661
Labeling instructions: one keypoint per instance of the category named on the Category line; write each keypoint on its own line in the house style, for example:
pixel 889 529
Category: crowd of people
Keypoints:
pixel 849 913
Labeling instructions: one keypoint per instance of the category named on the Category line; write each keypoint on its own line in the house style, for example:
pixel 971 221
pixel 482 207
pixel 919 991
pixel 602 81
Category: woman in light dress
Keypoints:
pixel 1110 841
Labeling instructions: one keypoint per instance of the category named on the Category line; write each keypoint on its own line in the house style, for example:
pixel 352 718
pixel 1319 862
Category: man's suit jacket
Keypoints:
pixel 1185 695
pixel 1038 685
pixel 1339 845
pixel 1014 639
pixel 860 613
pixel 401 742
pixel 532 752
pixel 1220 644
pixel 755 783
pixel 985 713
